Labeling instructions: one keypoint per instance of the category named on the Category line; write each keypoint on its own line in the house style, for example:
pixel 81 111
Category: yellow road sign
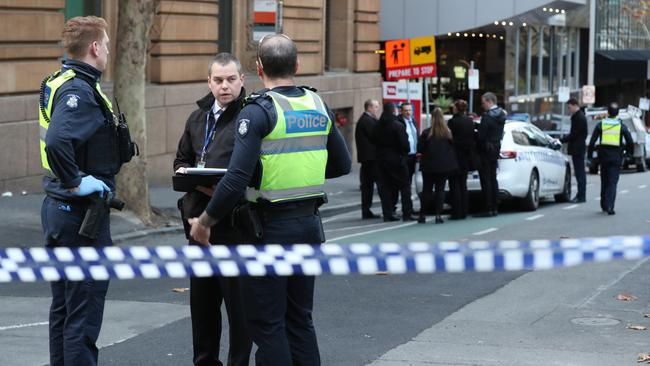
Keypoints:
pixel 423 50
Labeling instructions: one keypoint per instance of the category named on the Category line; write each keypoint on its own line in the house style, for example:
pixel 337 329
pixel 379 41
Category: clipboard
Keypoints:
pixel 206 177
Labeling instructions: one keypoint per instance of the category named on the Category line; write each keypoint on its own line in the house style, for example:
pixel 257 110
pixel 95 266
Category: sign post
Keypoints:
pixel 472 84
pixel 563 95
pixel 402 91
pixel 410 58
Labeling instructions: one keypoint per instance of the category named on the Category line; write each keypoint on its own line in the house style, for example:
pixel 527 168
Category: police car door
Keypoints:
pixel 541 157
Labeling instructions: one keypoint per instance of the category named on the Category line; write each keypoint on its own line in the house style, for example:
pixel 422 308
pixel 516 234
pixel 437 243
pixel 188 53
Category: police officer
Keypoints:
pixel 78 135
pixel 208 141
pixel 611 132
pixel 285 136
pixel 488 138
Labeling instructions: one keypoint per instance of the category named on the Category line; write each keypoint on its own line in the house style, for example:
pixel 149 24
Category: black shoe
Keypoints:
pixel 408 217
pixel 390 218
pixel 578 200
pixel 453 217
pixel 369 215
pixel 611 212
pixel 422 220
pixel 486 214
pixel 439 220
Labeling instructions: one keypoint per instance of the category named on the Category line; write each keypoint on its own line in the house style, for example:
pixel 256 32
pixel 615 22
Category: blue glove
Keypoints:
pixel 89 185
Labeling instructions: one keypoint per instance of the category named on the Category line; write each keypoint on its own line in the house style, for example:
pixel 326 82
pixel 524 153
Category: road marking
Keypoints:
pixel 642 186
pixel 19 326
pixel 625 191
pixel 353 227
pixel 570 207
pixel 372 231
pixel 341 215
pixel 597 199
pixel 485 231
pixel 606 287
pixel 534 217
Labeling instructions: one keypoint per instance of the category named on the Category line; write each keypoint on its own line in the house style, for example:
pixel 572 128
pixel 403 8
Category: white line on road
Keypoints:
pixel 341 215
pixel 642 186
pixel 19 326
pixel 605 287
pixel 353 227
pixel 597 199
pixel 372 231
pixel 625 191
pixel 534 217
pixel 485 231
pixel 570 207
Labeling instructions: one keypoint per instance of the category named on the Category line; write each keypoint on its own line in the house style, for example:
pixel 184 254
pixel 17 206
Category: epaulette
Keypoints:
pixel 308 88
pixel 255 96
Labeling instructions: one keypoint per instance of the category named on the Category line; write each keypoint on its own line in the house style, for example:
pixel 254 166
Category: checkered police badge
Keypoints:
pixel 243 127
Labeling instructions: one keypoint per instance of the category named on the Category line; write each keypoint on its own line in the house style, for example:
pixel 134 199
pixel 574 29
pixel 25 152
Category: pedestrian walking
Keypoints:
pixel 488 140
pixel 437 162
pixel 279 166
pixel 577 139
pixel 78 150
pixel 367 155
pixel 208 141
pixel 464 139
pixel 392 150
pixel 610 131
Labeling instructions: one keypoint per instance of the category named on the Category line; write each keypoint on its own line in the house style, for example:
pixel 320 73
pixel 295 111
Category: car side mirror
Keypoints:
pixel 555 145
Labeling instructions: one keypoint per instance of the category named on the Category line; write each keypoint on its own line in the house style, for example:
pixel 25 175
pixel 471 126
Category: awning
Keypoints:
pixel 625 55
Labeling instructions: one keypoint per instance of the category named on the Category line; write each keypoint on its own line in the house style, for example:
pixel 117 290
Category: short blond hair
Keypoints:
pixel 79 32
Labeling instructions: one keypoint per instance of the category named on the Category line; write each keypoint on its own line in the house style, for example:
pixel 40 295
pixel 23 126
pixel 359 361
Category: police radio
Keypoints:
pixel 126 147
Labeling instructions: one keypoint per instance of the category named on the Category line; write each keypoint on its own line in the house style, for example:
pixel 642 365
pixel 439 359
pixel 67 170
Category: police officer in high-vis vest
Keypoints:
pixel 286 146
pixel 611 132
pixel 78 143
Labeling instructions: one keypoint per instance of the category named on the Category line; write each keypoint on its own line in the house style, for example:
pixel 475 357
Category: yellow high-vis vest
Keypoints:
pixel 611 132
pixel 294 154
pixel 48 90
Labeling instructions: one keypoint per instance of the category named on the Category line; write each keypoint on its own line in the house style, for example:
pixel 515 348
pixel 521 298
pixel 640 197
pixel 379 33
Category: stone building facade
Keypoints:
pixel 336 41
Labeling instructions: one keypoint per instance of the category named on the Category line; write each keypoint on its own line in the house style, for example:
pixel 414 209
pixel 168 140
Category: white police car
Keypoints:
pixel 531 167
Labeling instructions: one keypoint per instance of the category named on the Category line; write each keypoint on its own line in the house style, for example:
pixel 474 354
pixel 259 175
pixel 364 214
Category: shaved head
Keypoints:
pixel 278 56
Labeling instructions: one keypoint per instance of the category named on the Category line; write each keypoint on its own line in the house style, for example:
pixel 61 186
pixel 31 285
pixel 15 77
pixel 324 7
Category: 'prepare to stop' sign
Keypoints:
pixel 411 58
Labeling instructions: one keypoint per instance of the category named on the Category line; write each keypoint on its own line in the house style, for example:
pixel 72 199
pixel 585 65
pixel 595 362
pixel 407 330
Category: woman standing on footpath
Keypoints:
pixel 462 128
pixel 438 161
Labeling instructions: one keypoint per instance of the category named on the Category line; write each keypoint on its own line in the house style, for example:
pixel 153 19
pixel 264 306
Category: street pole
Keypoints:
pixel 563 111
pixel 426 102
pixel 592 42
pixel 471 91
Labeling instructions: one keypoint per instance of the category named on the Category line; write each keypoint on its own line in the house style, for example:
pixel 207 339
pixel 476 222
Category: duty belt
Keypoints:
pixel 289 211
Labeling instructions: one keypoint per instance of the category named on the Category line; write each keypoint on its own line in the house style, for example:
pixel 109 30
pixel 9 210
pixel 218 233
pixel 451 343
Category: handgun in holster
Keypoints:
pixel 246 217
pixel 98 208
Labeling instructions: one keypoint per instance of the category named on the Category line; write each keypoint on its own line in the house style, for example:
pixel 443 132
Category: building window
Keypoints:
pixel 76 8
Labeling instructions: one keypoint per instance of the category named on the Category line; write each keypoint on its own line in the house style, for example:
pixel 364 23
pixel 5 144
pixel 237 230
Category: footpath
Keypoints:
pixel 20 215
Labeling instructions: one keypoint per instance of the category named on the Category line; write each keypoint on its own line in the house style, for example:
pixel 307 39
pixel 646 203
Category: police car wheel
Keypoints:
pixel 531 201
pixel 565 196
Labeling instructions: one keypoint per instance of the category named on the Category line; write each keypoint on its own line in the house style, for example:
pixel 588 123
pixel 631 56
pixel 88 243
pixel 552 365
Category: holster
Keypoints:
pixel 246 217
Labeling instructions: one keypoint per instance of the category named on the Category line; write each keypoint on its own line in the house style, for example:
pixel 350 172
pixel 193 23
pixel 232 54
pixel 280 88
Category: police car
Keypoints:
pixel 531 167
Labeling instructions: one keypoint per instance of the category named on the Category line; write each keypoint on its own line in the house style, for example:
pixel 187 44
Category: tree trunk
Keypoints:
pixel 135 18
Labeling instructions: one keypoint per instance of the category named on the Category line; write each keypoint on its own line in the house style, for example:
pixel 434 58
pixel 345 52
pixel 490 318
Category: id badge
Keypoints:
pixel 200 164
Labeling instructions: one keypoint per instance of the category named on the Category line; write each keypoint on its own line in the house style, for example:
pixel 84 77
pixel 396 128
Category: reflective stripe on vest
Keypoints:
pixel 611 132
pixel 50 87
pixel 294 154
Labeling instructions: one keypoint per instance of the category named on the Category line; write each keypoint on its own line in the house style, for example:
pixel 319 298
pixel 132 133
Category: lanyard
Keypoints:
pixel 208 134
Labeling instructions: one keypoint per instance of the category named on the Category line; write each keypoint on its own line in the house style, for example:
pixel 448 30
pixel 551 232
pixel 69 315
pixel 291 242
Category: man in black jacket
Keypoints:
pixel 366 155
pixel 577 146
pixel 490 132
pixel 208 141
pixel 392 150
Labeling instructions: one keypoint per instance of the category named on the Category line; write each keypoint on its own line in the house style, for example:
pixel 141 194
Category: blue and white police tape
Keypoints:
pixel 42 264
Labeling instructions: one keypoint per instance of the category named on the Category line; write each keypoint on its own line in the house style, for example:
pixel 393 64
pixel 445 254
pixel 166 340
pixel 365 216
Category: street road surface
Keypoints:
pixel 565 316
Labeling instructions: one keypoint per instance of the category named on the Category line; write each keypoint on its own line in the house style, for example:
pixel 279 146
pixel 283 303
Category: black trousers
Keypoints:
pixel 369 177
pixel 429 181
pixel 489 185
pixel 609 174
pixel 77 307
pixel 581 176
pixel 459 195
pixel 278 308
pixel 394 180
pixel 206 297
